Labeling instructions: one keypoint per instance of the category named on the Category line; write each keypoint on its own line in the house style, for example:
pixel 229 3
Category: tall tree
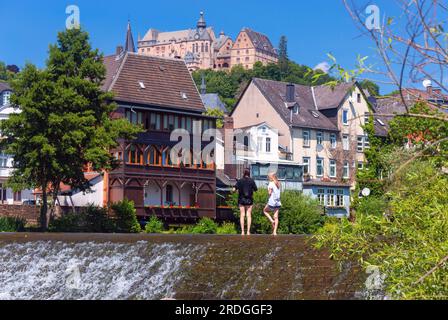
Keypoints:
pixel 64 124
pixel 371 86
pixel 283 60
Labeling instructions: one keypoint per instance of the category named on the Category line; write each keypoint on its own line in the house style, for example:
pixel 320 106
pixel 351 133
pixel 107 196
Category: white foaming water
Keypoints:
pixel 94 271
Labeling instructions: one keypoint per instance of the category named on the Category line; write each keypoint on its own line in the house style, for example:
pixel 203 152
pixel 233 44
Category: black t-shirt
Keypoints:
pixel 246 188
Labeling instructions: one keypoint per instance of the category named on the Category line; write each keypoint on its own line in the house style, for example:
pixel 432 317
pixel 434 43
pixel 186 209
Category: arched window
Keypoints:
pixel 202 47
pixel 166 158
pixel 153 156
pixel 135 155
pixel 206 47
pixel 169 194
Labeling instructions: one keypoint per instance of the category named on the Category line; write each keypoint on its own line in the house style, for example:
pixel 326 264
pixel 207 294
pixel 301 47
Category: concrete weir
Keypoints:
pixel 99 266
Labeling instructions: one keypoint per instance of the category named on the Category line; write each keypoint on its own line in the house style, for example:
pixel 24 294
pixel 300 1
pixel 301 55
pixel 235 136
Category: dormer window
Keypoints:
pixel 345 117
pixel 296 109
pixel 6 98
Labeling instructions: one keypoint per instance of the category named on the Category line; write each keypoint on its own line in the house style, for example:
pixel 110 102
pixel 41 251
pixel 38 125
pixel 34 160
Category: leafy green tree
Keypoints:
pixel 218 113
pixel 65 123
pixel 8 73
pixel 371 87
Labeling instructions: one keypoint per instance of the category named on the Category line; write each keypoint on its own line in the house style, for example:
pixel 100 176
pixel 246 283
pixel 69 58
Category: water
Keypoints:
pixel 67 267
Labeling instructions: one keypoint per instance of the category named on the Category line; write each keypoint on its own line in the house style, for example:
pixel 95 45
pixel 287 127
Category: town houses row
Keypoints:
pixel 313 137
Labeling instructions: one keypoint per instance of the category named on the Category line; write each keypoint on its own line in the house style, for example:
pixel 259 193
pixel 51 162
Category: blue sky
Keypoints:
pixel 314 28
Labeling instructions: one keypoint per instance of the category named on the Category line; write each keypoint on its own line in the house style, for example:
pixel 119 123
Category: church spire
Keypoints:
pixel 201 22
pixel 129 46
pixel 203 85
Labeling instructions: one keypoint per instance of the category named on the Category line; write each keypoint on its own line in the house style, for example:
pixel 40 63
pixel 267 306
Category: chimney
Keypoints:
pixel 119 50
pixel 429 89
pixel 290 92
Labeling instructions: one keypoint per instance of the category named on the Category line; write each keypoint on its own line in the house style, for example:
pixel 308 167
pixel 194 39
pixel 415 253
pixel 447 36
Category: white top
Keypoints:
pixel 274 199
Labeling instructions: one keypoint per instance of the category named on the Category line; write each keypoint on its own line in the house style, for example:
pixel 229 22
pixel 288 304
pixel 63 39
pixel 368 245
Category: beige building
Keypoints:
pixel 251 47
pixel 201 49
pixel 321 127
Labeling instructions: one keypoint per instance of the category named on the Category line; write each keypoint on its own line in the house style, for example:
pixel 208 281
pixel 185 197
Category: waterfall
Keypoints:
pixel 168 267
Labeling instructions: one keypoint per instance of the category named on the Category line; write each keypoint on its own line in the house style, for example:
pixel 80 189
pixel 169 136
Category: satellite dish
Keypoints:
pixel 427 83
pixel 366 192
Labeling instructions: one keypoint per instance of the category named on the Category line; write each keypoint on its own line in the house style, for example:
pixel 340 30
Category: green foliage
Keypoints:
pixel 229 85
pixel 91 219
pixel 218 114
pixel 205 226
pixel 408 242
pixel 371 205
pixel 154 225
pixel 371 86
pixel 300 214
pixel 5 72
pixel 227 228
pixel 126 217
pixel 65 120
pixel 12 224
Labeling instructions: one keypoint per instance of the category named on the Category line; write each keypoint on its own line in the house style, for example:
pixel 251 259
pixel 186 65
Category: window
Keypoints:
pixel 320 167
pixel 306 138
pixel 188 124
pixel 340 198
pixel 169 194
pixel 346 173
pixel 358 98
pixel 333 141
pixel 332 168
pixel 360 165
pixel 17 196
pixel 153 156
pixel 360 145
pixel 6 98
pixel 260 144
pixel 134 117
pixel 171 122
pixel 306 165
pixel 3 160
pixel 363 143
pixel 319 138
pixel 135 155
pixel 166 158
pixel 331 198
pixel 321 196
pixel 296 109
pixel 345 117
pixel 154 123
pixel 346 143
pixel 366 118
pixel 268 144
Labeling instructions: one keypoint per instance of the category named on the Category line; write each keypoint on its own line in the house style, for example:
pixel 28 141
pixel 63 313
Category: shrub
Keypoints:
pixel 300 214
pixel 12 224
pixel 371 205
pixel 154 225
pixel 126 217
pixel 227 228
pixel 205 226
pixel 90 219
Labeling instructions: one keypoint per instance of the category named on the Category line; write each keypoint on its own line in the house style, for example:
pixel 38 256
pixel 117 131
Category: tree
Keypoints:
pixel 371 87
pixel 283 60
pixel 218 113
pixel 65 123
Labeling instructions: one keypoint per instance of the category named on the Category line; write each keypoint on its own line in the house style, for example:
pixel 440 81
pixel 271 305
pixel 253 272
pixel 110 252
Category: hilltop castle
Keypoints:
pixel 201 49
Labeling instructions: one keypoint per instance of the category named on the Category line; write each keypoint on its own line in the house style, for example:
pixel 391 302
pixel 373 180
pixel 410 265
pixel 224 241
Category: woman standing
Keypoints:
pixel 274 203
pixel 246 188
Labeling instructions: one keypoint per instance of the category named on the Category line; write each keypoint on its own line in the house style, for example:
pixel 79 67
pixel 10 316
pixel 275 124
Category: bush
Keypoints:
pixel 154 225
pixel 12 224
pixel 227 228
pixel 205 226
pixel 300 214
pixel 371 205
pixel 90 219
pixel 126 217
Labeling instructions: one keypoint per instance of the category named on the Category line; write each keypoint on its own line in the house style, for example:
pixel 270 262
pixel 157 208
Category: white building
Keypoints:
pixel 7 196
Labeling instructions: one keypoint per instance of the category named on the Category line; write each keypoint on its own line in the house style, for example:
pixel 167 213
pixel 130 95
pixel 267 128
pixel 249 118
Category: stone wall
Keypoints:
pixel 30 213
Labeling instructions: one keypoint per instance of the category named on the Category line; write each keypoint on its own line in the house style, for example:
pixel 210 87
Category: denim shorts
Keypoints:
pixel 272 208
